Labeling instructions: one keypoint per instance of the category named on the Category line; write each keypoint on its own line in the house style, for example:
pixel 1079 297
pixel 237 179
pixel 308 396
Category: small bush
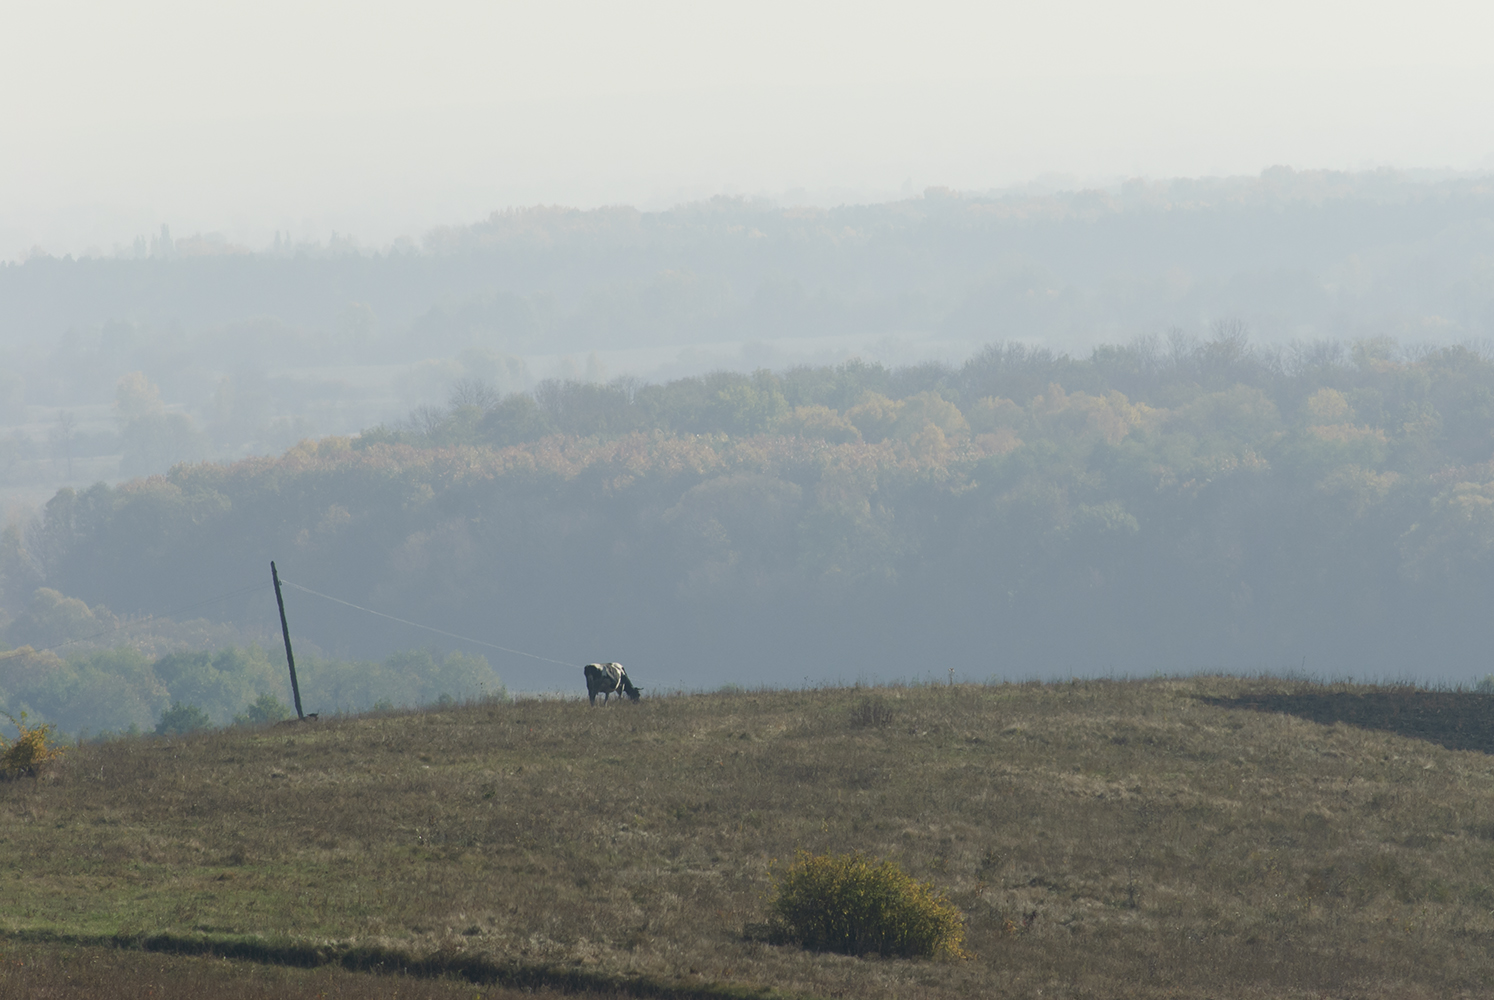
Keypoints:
pixel 847 903
pixel 267 710
pixel 871 713
pixel 32 748
pixel 179 720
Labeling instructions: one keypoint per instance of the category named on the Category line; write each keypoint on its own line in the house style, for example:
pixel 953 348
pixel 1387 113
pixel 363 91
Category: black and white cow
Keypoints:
pixel 605 679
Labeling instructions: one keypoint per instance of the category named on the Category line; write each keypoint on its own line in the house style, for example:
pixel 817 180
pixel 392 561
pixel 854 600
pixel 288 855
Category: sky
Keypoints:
pixel 382 120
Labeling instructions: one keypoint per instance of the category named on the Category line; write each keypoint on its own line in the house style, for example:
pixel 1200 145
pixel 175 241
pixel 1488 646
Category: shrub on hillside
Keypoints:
pixel 267 710
pixel 32 748
pixel 179 720
pixel 847 903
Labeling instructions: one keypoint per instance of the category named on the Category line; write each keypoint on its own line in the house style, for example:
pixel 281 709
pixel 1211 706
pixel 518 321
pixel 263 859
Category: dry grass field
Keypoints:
pixel 1162 838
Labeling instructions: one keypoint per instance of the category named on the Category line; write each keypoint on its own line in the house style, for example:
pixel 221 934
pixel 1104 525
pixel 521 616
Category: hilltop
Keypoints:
pixel 1166 837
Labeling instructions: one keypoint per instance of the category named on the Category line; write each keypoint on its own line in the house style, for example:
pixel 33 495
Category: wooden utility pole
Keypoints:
pixel 285 631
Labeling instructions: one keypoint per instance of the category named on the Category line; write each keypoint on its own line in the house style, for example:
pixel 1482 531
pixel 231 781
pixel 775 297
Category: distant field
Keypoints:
pixel 1160 838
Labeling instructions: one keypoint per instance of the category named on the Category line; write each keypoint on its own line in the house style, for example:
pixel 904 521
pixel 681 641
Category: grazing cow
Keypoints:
pixel 606 679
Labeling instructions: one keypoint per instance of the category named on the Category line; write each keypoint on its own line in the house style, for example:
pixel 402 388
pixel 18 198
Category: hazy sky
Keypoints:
pixel 384 119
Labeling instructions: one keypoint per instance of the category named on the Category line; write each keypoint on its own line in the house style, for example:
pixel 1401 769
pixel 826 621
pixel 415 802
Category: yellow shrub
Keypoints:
pixel 850 904
pixel 28 751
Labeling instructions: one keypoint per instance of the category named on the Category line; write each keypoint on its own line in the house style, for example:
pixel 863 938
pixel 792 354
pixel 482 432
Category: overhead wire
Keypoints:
pixel 406 621
pixel 315 593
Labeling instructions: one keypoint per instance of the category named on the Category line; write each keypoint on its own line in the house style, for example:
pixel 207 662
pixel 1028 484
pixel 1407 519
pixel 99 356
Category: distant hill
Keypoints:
pixel 1309 254
pixel 252 351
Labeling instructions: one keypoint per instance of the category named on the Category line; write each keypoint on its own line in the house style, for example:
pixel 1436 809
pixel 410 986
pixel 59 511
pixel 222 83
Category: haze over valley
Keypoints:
pixel 792 499
pixel 1022 434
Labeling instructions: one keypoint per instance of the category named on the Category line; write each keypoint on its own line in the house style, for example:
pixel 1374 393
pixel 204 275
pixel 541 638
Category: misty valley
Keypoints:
pixel 1090 555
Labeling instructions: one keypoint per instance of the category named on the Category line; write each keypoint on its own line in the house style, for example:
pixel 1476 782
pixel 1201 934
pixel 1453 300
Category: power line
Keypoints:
pixel 403 621
pixel 308 590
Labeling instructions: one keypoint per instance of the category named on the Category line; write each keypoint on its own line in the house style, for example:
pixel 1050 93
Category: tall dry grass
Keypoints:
pixel 1150 838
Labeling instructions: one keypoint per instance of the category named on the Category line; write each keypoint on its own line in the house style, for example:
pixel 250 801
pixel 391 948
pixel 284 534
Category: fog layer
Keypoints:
pixel 251 351
pixel 1195 425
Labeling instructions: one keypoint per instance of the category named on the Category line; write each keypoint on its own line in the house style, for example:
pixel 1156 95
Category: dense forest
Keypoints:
pixel 1172 504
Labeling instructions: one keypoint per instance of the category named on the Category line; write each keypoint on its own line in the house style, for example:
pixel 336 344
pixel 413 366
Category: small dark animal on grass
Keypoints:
pixel 605 679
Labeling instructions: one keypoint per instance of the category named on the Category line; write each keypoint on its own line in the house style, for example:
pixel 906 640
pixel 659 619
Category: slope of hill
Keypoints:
pixel 1144 838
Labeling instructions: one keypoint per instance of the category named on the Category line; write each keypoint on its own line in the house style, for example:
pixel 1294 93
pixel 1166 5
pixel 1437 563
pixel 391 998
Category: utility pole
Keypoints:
pixel 286 632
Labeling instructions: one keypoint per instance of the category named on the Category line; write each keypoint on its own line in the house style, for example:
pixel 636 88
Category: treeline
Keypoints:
pixel 246 353
pixel 1170 504
pixel 1287 251
pixel 1292 244
pixel 844 403
pixel 100 689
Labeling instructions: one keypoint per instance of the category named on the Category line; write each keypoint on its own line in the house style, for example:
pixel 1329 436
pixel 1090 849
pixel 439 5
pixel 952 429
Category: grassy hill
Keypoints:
pixel 1172 837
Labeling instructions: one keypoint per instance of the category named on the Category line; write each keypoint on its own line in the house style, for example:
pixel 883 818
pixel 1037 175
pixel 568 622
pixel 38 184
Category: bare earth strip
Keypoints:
pixel 41 973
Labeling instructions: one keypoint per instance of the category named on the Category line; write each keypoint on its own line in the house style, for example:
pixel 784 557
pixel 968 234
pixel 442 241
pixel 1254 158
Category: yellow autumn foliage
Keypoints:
pixel 851 904
pixel 30 750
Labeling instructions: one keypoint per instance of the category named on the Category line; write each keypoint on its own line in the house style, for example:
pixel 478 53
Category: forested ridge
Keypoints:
pixel 1172 504
pixel 1321 249
pixel 223 352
